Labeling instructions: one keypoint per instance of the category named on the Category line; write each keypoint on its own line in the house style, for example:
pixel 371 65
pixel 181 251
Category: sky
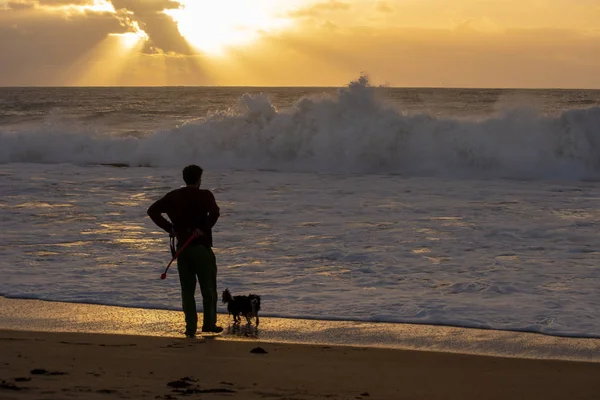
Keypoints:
pixel 400 43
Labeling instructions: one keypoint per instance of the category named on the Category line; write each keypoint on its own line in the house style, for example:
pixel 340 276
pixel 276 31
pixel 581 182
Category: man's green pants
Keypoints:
pixel 198 261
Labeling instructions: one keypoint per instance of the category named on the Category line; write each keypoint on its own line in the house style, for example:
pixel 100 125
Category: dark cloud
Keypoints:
pixel 41 47
pixel 162 31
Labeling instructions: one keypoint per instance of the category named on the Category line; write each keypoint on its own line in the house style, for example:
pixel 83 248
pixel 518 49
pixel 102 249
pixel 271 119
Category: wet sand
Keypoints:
pixel 48 365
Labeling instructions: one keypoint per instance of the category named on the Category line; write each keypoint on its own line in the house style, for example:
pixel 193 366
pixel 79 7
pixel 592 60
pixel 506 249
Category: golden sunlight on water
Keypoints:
pixel 140 243
pixel 41 204
pixel 77 243
pixel 117 227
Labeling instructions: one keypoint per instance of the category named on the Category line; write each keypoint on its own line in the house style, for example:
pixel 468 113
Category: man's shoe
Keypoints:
pixel 214 329
pixel 197 339
pixel 190 335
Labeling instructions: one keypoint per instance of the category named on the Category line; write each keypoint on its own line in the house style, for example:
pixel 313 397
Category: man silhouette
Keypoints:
pixel 192 210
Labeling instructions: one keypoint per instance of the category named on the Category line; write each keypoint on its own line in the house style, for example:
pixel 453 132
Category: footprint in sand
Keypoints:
pixel 186 386
pixel 41 371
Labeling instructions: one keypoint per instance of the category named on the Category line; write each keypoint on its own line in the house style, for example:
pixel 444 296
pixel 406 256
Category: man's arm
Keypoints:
pixel 155 212
pixel 213 211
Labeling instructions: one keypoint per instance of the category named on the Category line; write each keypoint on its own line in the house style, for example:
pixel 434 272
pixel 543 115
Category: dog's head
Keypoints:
pixel 255 301
pixel 227 296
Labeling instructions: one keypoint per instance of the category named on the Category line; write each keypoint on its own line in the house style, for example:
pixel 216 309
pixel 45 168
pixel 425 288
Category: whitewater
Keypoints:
pixel 470 208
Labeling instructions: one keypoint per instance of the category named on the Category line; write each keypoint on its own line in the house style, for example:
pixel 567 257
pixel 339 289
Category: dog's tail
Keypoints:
pixel 227 297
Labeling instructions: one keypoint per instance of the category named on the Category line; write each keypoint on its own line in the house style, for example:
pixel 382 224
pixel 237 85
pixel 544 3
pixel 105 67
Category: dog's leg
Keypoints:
pixel 255 312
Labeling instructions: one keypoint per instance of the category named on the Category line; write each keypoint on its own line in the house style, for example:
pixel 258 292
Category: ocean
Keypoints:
pixel 464 207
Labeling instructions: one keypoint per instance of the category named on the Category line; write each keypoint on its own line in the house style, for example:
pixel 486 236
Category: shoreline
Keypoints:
pixel 326 320
pixel 47 316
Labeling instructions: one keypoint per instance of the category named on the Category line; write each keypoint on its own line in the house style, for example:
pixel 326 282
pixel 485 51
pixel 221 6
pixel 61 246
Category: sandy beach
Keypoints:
pixel 48 365
pixel 54 350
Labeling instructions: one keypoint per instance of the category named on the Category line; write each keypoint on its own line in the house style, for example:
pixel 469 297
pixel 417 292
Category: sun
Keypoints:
pixel 213 26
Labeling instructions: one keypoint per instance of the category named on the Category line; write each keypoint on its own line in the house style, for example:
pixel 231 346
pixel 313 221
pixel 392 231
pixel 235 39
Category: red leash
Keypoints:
pixel 194 235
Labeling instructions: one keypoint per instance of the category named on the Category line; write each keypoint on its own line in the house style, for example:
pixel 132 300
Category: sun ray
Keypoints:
pixel 103 64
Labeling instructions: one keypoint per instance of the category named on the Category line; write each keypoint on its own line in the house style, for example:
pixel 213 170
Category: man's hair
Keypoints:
pixel 191 174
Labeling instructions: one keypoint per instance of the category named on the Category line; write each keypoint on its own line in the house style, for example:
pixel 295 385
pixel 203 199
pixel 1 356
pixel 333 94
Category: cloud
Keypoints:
pixel 57 4
pixel 481 24
pixel 146 7
pixel 329 25
pixel 38 47
pixel 162 31
pixel 135 15
pixel 414 56
pixel 60 42
pixel 19 5
pixel 319 8
pixel 384 7
pixel 62 3
pixel 45 42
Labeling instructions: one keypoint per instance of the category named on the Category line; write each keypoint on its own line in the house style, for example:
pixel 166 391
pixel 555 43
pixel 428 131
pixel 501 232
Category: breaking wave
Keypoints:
pixel 353 131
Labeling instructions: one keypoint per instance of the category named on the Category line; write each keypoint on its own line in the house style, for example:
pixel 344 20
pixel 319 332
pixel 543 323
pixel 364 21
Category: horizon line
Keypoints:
pixel 383 86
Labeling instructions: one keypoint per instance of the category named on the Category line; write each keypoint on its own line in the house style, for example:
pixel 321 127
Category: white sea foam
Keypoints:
pixel 354 131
